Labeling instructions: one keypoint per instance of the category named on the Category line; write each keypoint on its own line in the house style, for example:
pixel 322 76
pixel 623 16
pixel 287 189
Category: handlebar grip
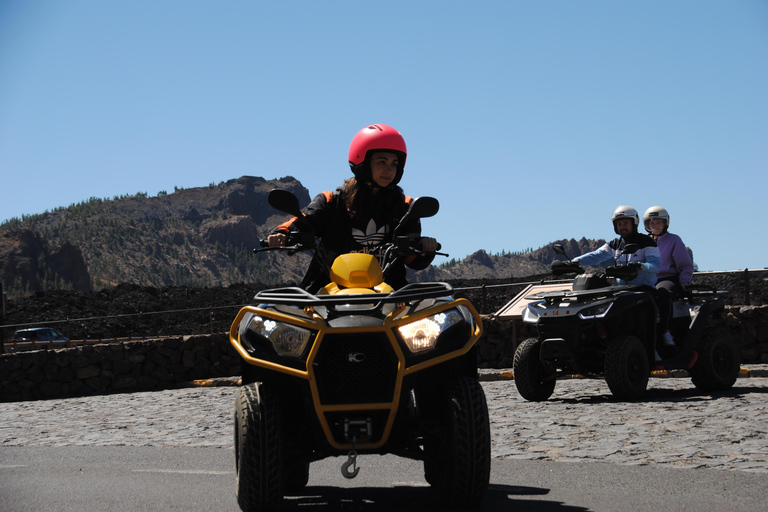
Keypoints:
pixel 263 243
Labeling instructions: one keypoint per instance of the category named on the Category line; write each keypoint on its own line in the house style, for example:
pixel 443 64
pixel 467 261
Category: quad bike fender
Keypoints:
pixel 701 317
pixel 407 363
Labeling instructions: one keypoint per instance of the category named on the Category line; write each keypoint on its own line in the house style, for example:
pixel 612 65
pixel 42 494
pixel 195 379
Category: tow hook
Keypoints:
pixel 351 462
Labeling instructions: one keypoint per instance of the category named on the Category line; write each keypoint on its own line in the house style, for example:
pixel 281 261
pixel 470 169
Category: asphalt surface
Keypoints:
pixel 163 479
pixel 675 425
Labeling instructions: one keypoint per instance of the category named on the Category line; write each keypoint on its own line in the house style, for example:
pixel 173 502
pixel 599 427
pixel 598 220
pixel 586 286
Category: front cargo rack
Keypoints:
pixel 296 296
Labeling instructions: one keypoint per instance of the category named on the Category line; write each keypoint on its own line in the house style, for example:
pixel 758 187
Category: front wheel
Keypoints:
pixel 532 380
pixel 626 367
pixel 296 477
pixel 717 367
pixel 460 467
pixel 258 449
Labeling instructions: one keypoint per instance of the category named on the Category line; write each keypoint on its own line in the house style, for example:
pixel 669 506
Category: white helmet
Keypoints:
pixel 625 212
pixel 656 212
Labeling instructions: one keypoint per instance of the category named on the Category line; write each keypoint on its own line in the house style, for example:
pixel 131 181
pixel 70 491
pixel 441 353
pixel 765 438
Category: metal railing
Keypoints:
pixel 19 346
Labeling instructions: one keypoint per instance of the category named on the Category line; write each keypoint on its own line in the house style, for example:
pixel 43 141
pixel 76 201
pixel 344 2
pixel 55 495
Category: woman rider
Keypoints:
pixel 363 213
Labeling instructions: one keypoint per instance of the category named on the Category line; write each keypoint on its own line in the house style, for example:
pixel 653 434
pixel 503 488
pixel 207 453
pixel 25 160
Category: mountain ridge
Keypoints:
pixel 199 237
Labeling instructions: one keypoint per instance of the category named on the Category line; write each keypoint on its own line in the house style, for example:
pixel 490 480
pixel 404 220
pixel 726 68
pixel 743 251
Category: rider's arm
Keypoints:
pixel 597 257
pixel 652 262
pixel 683 261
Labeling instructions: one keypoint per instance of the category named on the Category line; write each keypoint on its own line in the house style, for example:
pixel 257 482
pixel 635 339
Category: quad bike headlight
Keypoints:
pixel 423 334
pixel 287 339
pixel 598 311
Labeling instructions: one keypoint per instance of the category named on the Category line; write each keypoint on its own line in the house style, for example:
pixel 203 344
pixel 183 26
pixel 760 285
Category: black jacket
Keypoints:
pixel 340 234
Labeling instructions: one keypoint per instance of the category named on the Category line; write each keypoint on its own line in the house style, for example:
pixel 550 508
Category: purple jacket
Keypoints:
pixel 675 260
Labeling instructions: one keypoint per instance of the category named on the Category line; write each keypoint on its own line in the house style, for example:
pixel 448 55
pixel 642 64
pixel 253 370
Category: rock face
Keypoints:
pixel 224 231
pixel 198 237
pixel 28 262
pixel 481 265
pixel 195 237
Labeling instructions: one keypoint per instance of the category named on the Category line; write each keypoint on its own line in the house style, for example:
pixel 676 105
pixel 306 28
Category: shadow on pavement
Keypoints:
pixel 417 498
pixel 668 395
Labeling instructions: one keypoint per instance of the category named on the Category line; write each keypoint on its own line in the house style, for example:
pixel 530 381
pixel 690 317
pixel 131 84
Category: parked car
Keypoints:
pixel 38 334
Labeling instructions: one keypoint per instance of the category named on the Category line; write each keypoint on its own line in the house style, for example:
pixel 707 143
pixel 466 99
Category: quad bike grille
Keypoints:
pixel 566 328
pixel 355 369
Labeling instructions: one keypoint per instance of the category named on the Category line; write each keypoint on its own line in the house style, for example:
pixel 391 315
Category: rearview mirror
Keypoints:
pixel 420 208
pixel 284 201
pixel 630 249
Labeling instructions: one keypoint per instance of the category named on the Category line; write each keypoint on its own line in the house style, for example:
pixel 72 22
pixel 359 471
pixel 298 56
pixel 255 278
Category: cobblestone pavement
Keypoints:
pixel 675 425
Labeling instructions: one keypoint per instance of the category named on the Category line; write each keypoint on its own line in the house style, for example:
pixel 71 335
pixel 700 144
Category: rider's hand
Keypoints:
pixel 428 244
pixel 277 240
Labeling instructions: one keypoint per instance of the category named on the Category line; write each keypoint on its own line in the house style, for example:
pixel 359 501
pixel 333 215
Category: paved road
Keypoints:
pixel 676 425
pixel 582 450
pixel 129 478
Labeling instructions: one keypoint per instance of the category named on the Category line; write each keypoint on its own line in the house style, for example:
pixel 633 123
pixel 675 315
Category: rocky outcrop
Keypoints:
pixel 30 263
pixel 481 265
pixel 238 229
pixel 67 261
pixel 197 237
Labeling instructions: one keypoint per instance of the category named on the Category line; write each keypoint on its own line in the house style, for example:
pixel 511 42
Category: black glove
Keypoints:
pixel 565 267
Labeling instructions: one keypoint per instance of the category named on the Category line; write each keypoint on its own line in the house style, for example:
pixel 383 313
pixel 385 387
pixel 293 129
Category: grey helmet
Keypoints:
pixel 625 212
pixel 656 212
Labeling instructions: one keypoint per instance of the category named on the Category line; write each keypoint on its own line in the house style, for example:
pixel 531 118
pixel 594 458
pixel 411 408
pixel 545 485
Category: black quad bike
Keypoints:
pixel 358 368
pixel 603 329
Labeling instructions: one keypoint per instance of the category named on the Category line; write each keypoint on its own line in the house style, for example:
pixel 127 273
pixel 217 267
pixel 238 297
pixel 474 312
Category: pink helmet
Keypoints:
pixel 376 137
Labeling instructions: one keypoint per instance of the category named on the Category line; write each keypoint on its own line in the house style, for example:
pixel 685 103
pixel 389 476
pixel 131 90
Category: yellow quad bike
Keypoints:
pixel 358 368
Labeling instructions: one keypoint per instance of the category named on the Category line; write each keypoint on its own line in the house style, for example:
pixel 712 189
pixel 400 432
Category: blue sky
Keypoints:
pixel 529 121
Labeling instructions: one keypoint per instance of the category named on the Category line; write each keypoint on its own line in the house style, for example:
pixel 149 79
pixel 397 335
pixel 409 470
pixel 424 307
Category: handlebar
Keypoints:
pixel 560 268
pixel 303 242
pixel 625 272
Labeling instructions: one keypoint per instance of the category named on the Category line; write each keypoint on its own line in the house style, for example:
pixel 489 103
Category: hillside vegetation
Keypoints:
pixel 199 237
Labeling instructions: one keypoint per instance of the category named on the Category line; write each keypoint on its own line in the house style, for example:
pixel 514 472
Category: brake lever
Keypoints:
pixel 289 248
pixel 419 252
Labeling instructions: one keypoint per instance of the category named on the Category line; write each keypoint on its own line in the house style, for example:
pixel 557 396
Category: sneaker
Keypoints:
pixel 669 341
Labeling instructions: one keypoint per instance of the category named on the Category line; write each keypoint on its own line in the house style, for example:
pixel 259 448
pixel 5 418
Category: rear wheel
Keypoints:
pixel 532 380
pixel 717 367
pixel 626 367
pixel 459 465
pixel 258 449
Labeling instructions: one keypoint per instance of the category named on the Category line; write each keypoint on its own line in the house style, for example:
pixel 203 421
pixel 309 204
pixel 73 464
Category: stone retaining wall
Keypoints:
pixel 169 362
pixel 118 367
